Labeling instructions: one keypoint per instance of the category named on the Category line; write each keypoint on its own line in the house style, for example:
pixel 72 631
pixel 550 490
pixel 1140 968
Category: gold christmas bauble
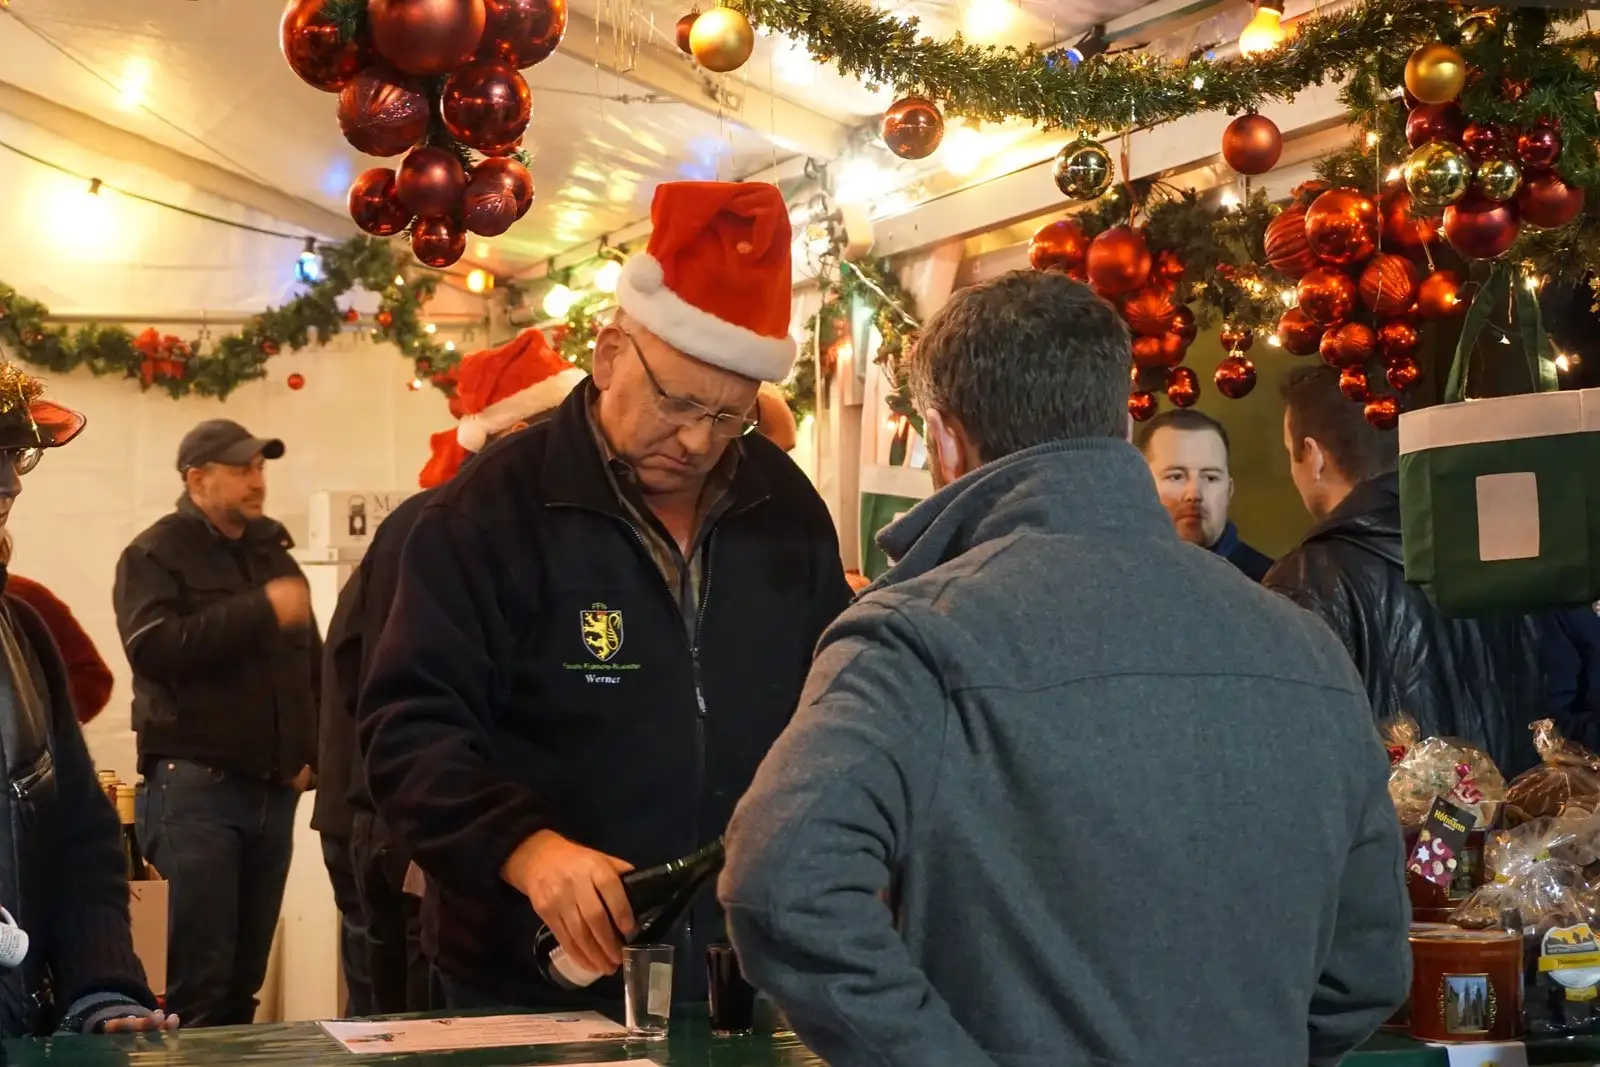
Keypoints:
pixel 1498 178
pixel 1083 169
pixel 1477 27
pixel 1437 174
pixel 722 39
pixel 1436 73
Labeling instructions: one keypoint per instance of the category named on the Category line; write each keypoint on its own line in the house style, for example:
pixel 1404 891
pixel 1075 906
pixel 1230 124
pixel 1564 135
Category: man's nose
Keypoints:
pixel 696 438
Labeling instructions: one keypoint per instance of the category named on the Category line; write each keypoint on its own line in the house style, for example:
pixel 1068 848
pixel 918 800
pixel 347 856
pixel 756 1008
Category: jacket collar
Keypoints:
pixel 1368 517
pixel 262 529
pixel 1228 541
pixel 1089 487
pixel 574 472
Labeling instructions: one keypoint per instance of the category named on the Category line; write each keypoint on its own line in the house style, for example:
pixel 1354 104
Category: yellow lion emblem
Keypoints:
pixel 602 632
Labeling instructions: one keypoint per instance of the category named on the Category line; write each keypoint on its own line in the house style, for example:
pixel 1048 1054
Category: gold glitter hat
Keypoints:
pixel 27 420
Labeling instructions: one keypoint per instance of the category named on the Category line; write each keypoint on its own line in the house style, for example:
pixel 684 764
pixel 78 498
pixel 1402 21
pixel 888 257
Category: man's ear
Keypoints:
pixel 949 445
pixel 1316 458
pixel 608 345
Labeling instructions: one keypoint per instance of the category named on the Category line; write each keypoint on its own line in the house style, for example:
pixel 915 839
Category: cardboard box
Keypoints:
pixel 147 907
pixel 347 518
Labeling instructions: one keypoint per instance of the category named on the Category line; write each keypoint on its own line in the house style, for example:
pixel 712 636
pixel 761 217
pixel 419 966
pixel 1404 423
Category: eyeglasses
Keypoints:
pixel 681 411
pixel 22 460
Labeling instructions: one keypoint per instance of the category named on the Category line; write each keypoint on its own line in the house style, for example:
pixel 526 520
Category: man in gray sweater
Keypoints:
pixel 1062 789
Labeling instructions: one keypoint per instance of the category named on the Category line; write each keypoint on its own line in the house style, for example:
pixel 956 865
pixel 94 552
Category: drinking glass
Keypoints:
pixel 647 990
pixel 733 999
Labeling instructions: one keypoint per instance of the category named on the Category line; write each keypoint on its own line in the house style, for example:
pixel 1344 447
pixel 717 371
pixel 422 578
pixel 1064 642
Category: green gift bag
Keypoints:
pixel 1500 497
pixel 886 494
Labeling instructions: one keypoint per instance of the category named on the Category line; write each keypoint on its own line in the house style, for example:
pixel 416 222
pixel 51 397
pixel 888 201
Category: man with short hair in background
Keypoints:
pixel 215 617
pixel 1188 453
pixel 977 842
pixel 1477 679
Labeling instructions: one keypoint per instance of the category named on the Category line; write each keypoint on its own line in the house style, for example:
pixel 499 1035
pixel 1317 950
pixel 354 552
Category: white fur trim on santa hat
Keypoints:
pixel 475 430
pixel 642 294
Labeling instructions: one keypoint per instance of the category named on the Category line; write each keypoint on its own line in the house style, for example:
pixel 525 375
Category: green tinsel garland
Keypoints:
pixel 314 316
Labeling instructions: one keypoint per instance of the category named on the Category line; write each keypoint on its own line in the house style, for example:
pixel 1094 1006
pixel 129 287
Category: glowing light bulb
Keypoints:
pixel 988 20
pixel 479 281
pixel 449 346
pixel 962 151
pixel 133 83
pixel 415 384
pixel 1290 297
pixel 1532 283
pixel 607 277
pixel 1393 175
pixel 1263 32
pixel 481 250
pixel 431 328
pixel 558 301
pixel 1230 199
pixel 1372 138
pixel 1199 82
pixel 1272 340
pixel 1563 364
pixel 398 280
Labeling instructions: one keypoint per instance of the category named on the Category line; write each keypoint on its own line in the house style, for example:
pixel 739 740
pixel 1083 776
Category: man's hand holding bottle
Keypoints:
pixel 577 892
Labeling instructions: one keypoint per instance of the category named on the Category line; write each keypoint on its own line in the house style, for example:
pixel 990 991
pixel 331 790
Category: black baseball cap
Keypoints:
pixel 224 441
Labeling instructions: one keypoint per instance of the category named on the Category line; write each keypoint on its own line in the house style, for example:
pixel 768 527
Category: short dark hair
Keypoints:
pixel 1186 419
pixel 1024 359
pixel 1318 410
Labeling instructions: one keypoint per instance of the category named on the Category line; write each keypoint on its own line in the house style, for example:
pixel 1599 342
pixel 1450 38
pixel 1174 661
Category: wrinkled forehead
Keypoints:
pixel 683 376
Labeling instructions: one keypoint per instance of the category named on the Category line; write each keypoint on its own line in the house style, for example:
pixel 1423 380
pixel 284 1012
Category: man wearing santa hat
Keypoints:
pixel 605 621
pixel 494 393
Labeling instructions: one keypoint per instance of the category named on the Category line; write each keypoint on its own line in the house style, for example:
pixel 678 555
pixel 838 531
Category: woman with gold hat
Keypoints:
pixel 66 948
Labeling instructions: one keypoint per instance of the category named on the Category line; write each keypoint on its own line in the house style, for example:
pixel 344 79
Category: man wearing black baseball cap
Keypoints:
pixel 216 620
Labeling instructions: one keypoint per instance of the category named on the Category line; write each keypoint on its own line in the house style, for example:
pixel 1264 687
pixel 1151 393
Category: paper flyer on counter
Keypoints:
pixel 495 1031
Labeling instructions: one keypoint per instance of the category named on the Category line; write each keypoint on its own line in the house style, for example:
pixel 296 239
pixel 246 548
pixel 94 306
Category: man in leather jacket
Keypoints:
pixel 1478 679
pixel 62 867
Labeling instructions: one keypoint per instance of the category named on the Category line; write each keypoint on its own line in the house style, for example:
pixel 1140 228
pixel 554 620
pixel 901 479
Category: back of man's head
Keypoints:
pixel 1027 358
pixel 1316 408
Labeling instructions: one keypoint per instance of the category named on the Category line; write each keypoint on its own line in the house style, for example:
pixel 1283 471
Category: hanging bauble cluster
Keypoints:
pixel 1488 180
pixel 1360 291
pixel 410 59
pixel 1083 169
pixel 1146 287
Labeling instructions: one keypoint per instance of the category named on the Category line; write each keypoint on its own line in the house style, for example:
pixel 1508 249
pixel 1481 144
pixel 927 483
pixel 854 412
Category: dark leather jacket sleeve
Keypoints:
pixel 165 645
pixel 1310 577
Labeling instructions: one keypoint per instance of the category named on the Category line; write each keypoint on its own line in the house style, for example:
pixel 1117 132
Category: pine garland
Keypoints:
pixel 875 283
pixel 312 317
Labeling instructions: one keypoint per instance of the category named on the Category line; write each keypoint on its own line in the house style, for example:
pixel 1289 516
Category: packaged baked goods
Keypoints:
pixel 1400 735
pixel 1568 776
pixel 1446 767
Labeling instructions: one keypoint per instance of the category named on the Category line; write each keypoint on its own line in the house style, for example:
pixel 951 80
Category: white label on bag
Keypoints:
pixel 1508 516
pixel 659 1002
pixel 13 942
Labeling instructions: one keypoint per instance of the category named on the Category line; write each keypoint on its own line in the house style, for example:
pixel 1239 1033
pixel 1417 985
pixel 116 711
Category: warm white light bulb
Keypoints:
pixel 558 301
pixel 962 151
pixel 1262 33
pixel 607 277
pixel 477 281
pixel 430 328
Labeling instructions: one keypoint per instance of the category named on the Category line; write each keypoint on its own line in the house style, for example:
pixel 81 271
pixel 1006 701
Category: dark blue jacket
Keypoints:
pixel 1571 655
pixel 1255 565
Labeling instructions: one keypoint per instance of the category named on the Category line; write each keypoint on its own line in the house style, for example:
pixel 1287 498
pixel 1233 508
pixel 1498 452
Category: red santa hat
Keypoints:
pixel 496 389
pixel 715 280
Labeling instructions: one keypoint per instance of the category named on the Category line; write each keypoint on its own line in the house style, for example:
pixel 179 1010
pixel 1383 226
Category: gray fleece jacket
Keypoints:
pixel 1129 807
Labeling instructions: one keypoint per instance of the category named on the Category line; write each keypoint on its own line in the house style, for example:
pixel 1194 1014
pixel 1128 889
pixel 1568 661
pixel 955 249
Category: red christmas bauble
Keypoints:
pixel 685 25
pixel 1480 228
pixel 1299 333
pixel 486 105
pixel 384 319
pixel 1350 345
pixel 1183 325
pixel 1354 385
pixel 1147 352
pixel 1547 202
pixel 382 112
pixel 1327 295
pixel 374 204
pixel 1538 149
pixel 1174 346
pixel 1286 246
pixel 311 45
pixel 1404 231
pixel 1397 339
pixel 1118 261
pixel 1059 245
pixel 1483 140
pixel 1252 144
pixel 1403 373
pixel 431 182
pixel 1235 377
pixel 426 37
pixel 514 175
pixel 522 32
pixel 1149 311
pixel 488 206
pixel 1142 405
pixel 352 315
pixel 438 242
pixel 1439 296
pixel 1342 227
pixel 1435 122
pixel 1236 338
pixel 913 128
pixel 1382 412
pixel 1183 387
pixel 1388 284
pixel 297 381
